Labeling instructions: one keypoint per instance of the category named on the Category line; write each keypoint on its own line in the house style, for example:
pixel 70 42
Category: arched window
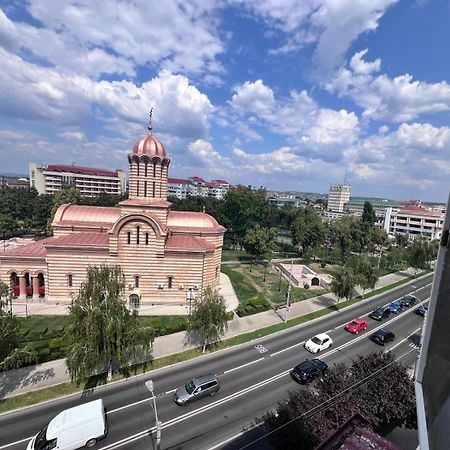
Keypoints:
pixel 169 281
pixel 136 281
pixel 154 184
pixel 137 235
pixel 69 280
pixel 146 238
pixel 146 164
pixel 138 165
pixel 145 187
pixel 217 271
pixel 129 238
pixel 154 170
pixel 137 188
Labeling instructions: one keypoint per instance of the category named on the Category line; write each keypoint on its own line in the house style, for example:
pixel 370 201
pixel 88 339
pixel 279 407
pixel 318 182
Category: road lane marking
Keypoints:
pixel 287 348
pixel 17 442
pixel 403 340
pixel 243 365
pixel 128 406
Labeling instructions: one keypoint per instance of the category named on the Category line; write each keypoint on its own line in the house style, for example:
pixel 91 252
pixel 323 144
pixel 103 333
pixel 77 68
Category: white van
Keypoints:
pixel 81 426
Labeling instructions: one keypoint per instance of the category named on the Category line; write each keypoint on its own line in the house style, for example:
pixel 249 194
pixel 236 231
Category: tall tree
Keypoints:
pixel 366 275
pixel 101 331
pixel 308 230
pixel 368 214
pixel 259 242
pixel 343 284
pixel 208 321
pixel 7 226
pixel 420 253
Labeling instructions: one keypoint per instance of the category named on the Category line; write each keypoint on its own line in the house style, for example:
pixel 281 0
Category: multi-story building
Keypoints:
pixel 287 201
pixel 13 182
pixel 338 196
pixel 415 221
pixel 197 187
pixel 48 179
pixel 356 206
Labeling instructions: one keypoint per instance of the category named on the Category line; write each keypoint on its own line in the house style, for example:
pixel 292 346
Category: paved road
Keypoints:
pixel 254 377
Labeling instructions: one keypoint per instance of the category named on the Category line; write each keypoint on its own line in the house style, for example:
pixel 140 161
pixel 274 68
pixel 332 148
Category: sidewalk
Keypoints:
pixel 20 381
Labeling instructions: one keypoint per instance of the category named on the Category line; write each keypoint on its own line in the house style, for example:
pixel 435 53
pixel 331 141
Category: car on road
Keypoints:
pixel 380 313
pixel 356 325
pixel 206 385
pixel 319 342
pixel 408 300
pixel 396 307
pixel 309 370
pixel 421 310
pixel 382 337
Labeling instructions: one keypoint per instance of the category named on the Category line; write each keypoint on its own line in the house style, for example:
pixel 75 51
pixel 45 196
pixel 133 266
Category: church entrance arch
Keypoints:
pixel 315 281
pixel 134 301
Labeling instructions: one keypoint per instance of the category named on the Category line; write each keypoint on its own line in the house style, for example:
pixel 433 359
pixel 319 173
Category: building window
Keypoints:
pixel 137 235
pixel 129 238
pixel 145 174
pixel 69 280
pixel 137 188
pixel 146 238
pixel 169 281
pixel 217 271
pixel 135 301
pixel 136 281
pixel 145 188
pixel 138 168
pixel 154 184
pixel 154 170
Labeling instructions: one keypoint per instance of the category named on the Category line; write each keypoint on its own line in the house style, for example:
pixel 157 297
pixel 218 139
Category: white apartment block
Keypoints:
pixel 416 221
pixel 48 179
pixel 338 196
pixel 197 187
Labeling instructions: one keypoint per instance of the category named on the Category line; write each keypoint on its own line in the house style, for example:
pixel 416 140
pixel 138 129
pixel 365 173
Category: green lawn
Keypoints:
pixel 235 255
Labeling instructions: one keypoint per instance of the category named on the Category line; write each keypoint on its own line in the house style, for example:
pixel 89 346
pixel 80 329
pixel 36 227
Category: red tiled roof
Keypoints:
pixel 186 242
pixel 197 179
pixel 220 182
pixel 81 240
pixel 34 250
pixel 177 181
pixel 190 219
pixel 81 170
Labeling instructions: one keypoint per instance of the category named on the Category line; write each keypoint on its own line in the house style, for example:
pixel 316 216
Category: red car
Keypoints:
pixel 356 325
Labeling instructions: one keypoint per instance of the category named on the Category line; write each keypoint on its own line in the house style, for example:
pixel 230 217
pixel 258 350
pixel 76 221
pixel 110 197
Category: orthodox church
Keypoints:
pixel 167 256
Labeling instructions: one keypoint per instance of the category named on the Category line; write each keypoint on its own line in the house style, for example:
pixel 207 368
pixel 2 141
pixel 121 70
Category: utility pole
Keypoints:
pixel 288 293
pixel 149 386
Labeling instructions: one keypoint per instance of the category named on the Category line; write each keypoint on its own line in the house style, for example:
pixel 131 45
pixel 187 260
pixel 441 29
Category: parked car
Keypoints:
pixel 319 342
pixel 356 325
pixel 408 300
pixel 206 385
pixel 309 370
pixel 380 313
pixel 80 426
pixel 396 307
pixel 421 310
pixel 382 337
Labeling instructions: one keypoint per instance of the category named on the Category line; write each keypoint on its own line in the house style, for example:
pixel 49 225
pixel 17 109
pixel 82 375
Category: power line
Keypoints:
pixel 329 402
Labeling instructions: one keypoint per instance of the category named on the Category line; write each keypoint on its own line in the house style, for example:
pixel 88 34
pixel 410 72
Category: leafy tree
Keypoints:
pixel 420 253
pixel 343 284
pixel 375 385
pixel 101 331
pixel 7 225
pixel 401 239
pixel 366 275
pixel 260 241
pixel 349 234
pixel 378 239
pixel 208 320
pixel 308 230
pixel 368 214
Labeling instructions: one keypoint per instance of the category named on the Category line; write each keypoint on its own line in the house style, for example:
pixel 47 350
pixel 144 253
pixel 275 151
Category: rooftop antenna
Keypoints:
pixel 345 178
pixel 149 126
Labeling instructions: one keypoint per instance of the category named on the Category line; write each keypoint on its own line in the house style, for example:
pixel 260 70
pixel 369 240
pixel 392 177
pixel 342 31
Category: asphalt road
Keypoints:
pixel 254 378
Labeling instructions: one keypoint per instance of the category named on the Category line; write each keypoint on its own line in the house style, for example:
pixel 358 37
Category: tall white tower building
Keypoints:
pixel 338 196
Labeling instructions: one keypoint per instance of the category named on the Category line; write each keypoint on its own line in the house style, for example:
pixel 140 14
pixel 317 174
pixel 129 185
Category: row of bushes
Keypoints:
pixel 255 305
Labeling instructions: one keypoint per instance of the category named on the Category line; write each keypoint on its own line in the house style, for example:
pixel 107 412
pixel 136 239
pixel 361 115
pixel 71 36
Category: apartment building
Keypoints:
pixel 294 202
pixel 356 206
pixel 415 221
pixel 48 179
pixel 197 187
pixel 338 196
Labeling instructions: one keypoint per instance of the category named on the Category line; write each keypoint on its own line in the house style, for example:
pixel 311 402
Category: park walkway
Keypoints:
pixel 20 381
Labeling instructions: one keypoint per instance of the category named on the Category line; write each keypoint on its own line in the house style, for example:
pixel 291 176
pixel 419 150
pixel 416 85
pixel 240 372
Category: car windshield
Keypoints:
pixel 190 387
pixel 378 311
pixel 316 340
pixel 354 323
pixel 41 442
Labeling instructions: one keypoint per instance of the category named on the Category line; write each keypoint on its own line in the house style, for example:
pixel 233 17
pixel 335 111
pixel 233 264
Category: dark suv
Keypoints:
pixel 382 337
pixel 408 300
pixel 309 370
pixel 380 313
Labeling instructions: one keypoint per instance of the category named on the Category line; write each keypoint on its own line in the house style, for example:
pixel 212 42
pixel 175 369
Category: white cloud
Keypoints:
pixel 255 97
pixel 332 25
pixel 203 151
pixel 395 99
pixel 73 135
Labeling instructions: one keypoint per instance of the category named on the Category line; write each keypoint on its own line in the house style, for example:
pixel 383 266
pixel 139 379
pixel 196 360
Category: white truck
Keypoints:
pixel 81 426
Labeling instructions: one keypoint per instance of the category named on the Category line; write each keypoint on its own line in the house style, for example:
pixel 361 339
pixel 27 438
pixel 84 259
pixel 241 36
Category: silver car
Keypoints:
pixel 197 388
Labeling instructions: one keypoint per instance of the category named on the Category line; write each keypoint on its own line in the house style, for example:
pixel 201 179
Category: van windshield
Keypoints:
pixel 190 387
pixel 42 443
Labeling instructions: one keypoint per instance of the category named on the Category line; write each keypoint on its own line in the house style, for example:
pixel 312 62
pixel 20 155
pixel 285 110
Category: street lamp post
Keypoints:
pixel 149 386
pixel 190 296
pixel 288 293
pixel 279 283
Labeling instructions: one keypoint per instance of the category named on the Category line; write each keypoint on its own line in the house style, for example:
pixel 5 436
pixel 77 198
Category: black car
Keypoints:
pixel 309 370
pixel 421 310
pixel 380 313
pixel 408 300
pixel 382 337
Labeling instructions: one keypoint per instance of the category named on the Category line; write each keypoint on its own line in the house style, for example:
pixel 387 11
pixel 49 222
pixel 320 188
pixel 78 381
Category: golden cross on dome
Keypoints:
pixel 150 121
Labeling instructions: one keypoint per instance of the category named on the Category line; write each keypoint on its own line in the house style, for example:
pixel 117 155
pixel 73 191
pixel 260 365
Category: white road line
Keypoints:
pixel 287 348
pixel 165 393
pixel 232 438
pixel 240 367
pixel 17 442
pixel 403 340
pixel 128 406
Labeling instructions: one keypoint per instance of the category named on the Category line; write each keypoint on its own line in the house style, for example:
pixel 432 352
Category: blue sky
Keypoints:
pixel 286 94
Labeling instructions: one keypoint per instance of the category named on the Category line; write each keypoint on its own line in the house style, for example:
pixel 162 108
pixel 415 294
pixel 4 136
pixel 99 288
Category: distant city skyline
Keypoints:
pixel 288 95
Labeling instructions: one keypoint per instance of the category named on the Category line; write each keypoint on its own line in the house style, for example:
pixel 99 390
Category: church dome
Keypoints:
pixel 149 146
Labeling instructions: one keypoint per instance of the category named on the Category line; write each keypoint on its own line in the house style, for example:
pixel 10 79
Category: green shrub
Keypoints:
pixel 306 286
pixel 56 343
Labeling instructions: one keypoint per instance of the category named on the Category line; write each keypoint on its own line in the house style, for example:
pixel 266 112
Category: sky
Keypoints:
pixel 291 95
